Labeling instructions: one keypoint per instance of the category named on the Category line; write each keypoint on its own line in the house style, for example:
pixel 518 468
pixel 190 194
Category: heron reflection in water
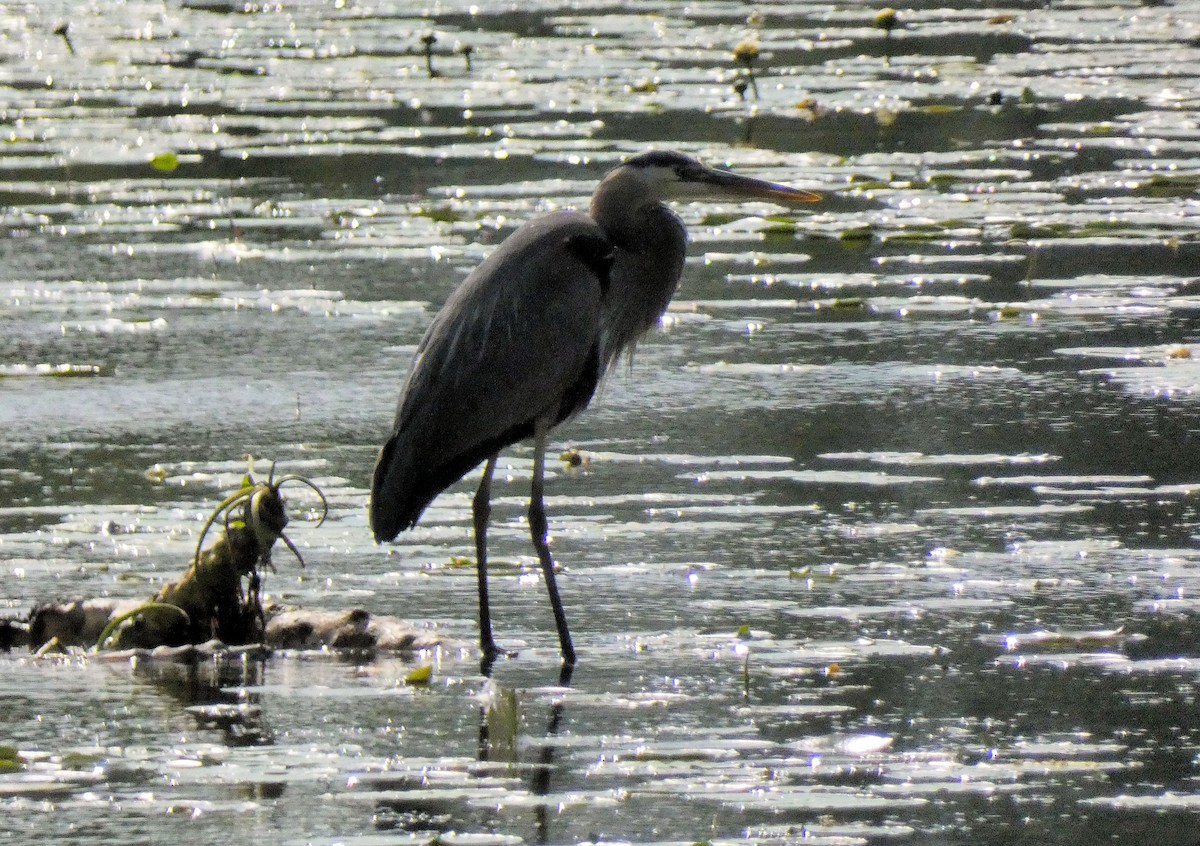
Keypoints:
pixel 522 343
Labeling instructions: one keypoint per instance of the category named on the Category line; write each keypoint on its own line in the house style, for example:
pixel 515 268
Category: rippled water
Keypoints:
pixel 887 536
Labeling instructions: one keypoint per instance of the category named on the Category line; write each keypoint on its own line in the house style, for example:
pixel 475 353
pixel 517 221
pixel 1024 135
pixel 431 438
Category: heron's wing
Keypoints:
pixel 517 342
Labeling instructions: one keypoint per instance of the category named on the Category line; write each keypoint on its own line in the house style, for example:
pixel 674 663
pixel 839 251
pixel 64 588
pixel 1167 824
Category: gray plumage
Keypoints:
pixel 520 346
pixel 541 291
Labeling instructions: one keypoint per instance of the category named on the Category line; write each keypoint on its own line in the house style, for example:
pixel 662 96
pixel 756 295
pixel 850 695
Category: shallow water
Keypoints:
pixel 888 535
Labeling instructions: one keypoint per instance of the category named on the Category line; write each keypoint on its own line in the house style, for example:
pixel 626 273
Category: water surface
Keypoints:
pixel 887 535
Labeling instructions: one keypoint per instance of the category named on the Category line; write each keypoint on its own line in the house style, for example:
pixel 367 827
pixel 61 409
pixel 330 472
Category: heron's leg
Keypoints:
pixel 481 511
pixel 537 530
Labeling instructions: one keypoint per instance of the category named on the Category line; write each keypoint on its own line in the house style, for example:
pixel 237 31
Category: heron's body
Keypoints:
pixel 501 323
pixel 520 346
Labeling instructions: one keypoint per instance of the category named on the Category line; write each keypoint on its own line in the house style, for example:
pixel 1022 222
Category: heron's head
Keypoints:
pixel 667 175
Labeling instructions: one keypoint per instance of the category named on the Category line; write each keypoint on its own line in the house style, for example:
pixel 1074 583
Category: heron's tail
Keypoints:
pixel 412 470
pixel 394 507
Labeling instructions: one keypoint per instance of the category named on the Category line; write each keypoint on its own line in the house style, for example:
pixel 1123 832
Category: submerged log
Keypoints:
pixel 207 602
pixel 79 624
pixel 217 600
pixel 355 629
pixel 76 623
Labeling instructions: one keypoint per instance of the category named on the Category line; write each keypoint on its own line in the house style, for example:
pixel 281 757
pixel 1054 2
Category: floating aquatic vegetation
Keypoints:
pixel 1060 481
pixel 53 370
pixel 997 297
pixel 917 458
pixel 208 601
pixel 830 477
pixel 1158 803
pixel 1058 640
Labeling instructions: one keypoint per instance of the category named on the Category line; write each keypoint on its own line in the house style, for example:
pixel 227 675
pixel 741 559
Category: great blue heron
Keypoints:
pixel 520 346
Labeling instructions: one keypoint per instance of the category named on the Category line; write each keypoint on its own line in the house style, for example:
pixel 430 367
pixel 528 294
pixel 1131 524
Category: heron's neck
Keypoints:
pixel 624 211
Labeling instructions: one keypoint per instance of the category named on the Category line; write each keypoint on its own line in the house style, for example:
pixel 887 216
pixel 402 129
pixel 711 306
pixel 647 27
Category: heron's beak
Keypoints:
pixel 724 182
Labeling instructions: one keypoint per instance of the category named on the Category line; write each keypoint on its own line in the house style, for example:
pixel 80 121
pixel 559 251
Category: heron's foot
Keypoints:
pixel 491 653
pixel 491 650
